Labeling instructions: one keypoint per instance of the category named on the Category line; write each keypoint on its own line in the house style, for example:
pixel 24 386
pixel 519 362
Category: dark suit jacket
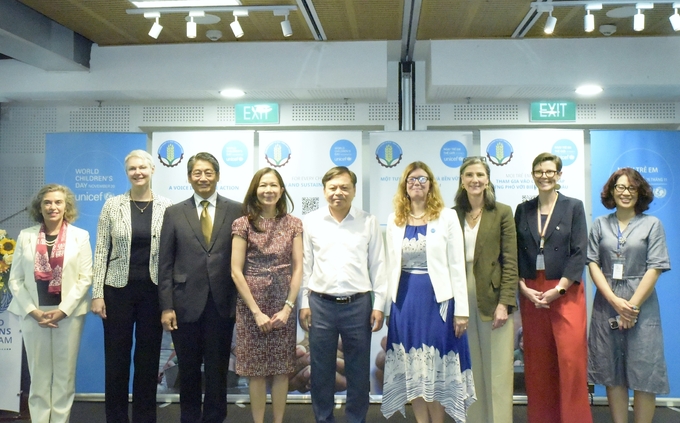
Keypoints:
pixel 566 239
pixel 189 269
pixel 495 262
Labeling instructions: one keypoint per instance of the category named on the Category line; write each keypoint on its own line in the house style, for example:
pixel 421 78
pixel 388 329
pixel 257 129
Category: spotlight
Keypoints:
pixel 588 22
pixel 639 21
pixel 588 90
pixel 191 25
pixel 156 28
pixel 236 28
pixel 675 18
pixel 286 28
pixel 550 24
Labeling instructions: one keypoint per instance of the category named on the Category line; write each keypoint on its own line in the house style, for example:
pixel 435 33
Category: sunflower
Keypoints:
pixel 7 246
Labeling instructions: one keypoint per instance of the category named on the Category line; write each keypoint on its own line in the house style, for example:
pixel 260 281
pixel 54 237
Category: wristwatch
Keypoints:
pixel 561 290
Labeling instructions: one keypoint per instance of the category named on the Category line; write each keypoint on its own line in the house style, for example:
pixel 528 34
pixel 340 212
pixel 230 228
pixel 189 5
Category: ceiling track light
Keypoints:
pixel 236 28
pixel 286 28
pixel 156 28
pixel 191 25
pixel 550 23
pixel 589 19
pixel 675 17
pixel 639 21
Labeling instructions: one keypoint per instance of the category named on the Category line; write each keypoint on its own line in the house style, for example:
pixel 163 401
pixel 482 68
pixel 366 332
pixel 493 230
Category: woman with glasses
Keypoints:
pixel 551 241
pixel 427 359
pixel 626 255
pixel 491 268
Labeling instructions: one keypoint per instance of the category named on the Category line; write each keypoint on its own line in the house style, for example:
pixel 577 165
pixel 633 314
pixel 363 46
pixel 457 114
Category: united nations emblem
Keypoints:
pixel 170 153
pixel 277 154
pixel 499 152
pixel 388 154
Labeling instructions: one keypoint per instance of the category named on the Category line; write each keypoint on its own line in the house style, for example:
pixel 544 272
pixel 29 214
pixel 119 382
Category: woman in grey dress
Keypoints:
pixel 626 255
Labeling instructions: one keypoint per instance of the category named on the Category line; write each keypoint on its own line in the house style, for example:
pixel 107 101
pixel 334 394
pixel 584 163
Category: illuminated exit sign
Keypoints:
pixel 553 111
pixel 257 113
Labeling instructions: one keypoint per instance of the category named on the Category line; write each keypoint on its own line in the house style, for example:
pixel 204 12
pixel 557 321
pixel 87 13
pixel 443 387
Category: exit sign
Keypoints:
pixel 257 113
pixel 553 111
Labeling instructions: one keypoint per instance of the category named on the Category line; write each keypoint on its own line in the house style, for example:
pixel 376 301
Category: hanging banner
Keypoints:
pixel 510 152
pixel 10 359
pixel 92 166
pixel 655 155
pixel 391 152
pixel 172 150
pixel 303 157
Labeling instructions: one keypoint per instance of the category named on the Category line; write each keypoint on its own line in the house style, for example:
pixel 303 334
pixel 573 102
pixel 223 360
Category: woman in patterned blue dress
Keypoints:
pixel 626 255
pixel 427 360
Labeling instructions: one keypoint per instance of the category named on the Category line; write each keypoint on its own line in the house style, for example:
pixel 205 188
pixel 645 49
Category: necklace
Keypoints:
pixel 474 218
pixel 50 243
pixel 141 210
pixel 418 217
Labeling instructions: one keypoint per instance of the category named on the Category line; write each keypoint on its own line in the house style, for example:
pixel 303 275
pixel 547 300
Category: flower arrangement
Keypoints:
pixel 7 246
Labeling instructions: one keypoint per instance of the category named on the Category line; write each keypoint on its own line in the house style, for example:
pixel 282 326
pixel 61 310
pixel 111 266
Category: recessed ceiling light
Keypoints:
pixel 588 90
pixel 232 93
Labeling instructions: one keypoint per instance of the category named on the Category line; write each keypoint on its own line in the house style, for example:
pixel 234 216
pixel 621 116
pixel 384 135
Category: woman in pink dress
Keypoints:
pixel 266 265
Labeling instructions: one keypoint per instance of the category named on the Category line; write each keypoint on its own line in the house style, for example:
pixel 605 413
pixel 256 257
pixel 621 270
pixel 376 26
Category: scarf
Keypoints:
pixel 50 268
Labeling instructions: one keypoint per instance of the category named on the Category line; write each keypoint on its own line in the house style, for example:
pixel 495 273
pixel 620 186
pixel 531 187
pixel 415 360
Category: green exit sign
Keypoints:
pixel 257 113
pixel 553 111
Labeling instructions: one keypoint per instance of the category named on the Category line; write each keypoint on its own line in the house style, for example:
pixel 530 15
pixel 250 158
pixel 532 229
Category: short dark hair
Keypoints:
pixel 336 171
pixel 251 205
pixel 205 156
pixel 644 190
pixel 547 157
pixel 70 210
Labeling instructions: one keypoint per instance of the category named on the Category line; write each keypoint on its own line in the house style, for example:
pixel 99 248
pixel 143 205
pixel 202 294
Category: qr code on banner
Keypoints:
pixel 309 204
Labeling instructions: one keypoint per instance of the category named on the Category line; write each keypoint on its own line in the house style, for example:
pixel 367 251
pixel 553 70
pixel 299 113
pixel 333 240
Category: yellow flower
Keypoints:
pixel 3 266
pixel 7 246
pixel 7 258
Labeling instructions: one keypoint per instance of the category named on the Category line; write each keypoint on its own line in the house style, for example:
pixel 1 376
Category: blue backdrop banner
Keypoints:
pixel 655 154
pixel 92 165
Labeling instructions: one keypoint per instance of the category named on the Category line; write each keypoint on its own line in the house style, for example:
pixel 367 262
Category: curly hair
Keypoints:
pixel 402 202
pixel 462 199
pixel 644 190
pixel 251 205
pixel 70 211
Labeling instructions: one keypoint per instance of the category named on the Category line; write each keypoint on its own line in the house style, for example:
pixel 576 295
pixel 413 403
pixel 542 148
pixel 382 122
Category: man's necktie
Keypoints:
pixel 206 223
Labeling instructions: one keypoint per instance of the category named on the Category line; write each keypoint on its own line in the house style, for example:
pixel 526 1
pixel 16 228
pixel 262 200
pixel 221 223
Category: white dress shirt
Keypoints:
pixel 343 258
pixel 211 207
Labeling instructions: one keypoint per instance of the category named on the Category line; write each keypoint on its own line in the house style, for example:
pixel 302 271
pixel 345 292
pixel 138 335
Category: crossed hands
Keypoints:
pixel 277 321
pixel 48 319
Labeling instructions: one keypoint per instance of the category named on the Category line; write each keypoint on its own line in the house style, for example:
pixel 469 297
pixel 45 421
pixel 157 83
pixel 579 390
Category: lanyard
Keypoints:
pixel 542 230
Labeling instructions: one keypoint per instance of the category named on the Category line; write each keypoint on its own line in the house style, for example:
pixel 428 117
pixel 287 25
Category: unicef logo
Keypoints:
pixel 388 154
pixel 660 192
pixel 343 153
pixel 499 152
pixel 234 153
pixel 170 153
pixel 565 150
pixel 277 154
pixel 453 153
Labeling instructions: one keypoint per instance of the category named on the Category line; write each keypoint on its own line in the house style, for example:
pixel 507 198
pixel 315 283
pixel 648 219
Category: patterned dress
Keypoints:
pixel 267 270
pixel 424 358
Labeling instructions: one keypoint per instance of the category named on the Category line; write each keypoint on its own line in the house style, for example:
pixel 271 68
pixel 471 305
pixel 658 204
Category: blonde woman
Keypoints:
pixel 427 359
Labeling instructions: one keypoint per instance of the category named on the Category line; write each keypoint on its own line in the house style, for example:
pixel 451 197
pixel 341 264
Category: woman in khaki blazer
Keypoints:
pixel 491 267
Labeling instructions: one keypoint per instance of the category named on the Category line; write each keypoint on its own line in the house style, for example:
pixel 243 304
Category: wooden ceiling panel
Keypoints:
pixel 353 20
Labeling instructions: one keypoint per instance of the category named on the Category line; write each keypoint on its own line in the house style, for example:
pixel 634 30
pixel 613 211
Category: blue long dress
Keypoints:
pixel 424 358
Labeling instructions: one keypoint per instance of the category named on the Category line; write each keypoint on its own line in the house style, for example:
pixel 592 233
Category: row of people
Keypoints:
pixel 447 281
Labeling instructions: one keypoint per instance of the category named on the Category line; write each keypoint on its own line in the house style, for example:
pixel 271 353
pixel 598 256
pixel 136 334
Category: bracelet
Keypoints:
pixel 290 304
pixel 635 308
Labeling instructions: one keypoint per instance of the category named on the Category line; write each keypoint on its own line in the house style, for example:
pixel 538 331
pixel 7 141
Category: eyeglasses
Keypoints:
pixel 620 188
pixel 421 180
pixel 547 173
pixel 208 173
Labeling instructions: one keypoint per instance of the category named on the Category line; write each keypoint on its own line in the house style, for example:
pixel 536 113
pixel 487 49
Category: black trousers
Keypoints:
pixel 206 341
pixel 132 311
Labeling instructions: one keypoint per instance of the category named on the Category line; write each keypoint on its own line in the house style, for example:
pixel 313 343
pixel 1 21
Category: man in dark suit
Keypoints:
pixel 197 294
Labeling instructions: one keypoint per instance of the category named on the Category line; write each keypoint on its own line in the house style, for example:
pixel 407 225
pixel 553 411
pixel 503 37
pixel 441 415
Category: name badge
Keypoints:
pixel 540 262
pixel 617 269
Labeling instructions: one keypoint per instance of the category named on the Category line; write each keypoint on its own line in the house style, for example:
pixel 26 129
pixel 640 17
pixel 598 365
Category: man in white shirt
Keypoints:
pixel 343 263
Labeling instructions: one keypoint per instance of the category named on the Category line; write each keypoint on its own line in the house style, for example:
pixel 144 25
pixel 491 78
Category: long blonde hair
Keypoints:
pixel 402 203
